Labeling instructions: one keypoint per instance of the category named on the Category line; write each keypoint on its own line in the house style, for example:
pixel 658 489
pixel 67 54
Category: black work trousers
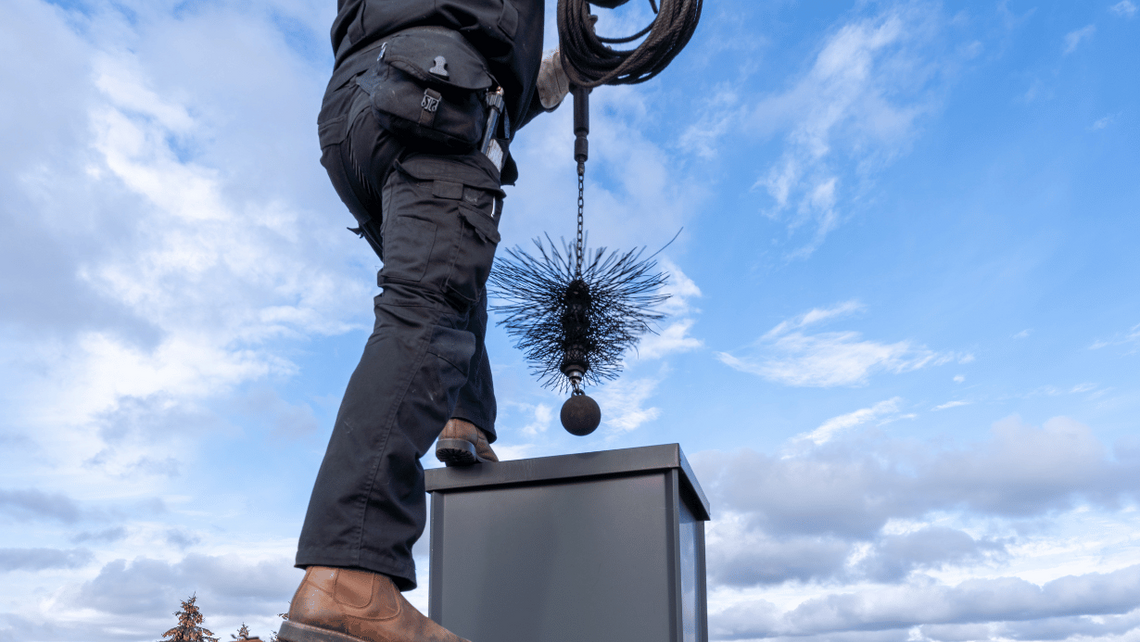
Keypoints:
pixel 433 219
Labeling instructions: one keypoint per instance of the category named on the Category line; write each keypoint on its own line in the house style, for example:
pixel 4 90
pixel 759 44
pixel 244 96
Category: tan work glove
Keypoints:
pixel 553 85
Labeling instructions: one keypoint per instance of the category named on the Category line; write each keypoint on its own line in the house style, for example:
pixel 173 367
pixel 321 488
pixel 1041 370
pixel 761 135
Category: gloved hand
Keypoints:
pixel 553 85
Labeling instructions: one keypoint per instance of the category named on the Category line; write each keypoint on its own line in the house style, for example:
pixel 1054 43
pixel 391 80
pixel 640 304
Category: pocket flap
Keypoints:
pixel 484 226
pixel 439 57
pixel 430 168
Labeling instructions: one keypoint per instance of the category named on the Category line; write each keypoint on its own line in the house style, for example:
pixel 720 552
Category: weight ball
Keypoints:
pixel 608 4
pixel 581 415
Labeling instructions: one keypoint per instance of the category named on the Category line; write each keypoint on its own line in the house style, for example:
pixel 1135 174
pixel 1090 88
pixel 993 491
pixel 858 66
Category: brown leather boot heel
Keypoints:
pixel 349 605
pixel 462 444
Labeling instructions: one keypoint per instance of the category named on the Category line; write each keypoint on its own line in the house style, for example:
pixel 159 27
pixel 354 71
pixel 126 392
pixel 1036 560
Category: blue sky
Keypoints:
pixel 902 351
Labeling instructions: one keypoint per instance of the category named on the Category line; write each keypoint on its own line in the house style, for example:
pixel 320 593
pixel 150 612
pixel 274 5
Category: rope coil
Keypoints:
pixel 590 61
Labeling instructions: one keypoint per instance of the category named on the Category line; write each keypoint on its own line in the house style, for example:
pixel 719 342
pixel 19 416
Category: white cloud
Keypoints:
pixel 277 416
pixel 1057 391
pixel 681 290
pixel 623 403
pixel 951 404
pixel 740 555
pixel 924 602
pixel 1102 122
pixel 118 81
pixel 1124 9
pixel 1073 39
pixel 542 418
pixel 865 534
pixel 896 556
pixel 858 105
pixel 851 487
pixel 178 263
pixel 1132 336
pixel 1036 469
pixel 722 114
pixel 672 339
pixel 166 255
pixel 815 315
pixel 831 359
pixel 828 428
pixel 678 308
pixel 39 559
pixel 855 110
pixel 505 452
pixel 35 504
pixel 787 355
pixel 743 558
pixel 133 598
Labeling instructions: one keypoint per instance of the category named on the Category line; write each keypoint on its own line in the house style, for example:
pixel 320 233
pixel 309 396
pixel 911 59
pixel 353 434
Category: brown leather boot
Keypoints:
pixel 462 444
pixel 348 605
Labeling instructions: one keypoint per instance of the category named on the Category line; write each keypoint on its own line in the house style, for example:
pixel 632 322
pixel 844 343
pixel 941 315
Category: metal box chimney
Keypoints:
pixel 606 546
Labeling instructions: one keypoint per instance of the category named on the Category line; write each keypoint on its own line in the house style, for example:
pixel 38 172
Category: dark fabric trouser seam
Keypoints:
pixel 389 424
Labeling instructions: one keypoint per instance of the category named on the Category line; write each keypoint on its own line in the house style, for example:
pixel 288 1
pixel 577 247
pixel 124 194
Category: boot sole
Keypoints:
pixel 294 632
pixel 456 452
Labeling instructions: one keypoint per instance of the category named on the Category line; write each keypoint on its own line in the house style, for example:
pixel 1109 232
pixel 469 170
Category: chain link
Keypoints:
pixel 578 249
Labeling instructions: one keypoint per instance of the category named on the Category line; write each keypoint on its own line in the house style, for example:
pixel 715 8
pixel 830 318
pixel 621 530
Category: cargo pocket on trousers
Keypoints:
pixel 408 244
pixel 479 237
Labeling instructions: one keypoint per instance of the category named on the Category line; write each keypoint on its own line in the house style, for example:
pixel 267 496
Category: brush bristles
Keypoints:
pixel 623 292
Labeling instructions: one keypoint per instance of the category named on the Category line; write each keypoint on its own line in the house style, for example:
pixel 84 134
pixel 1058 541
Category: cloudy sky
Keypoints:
pixel 903 350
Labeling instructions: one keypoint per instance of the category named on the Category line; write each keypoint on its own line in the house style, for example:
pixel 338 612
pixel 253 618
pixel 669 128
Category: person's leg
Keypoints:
pixel 467 436
pixel 358 168
pixel 439 234
pixel 434 224
pixel 476 402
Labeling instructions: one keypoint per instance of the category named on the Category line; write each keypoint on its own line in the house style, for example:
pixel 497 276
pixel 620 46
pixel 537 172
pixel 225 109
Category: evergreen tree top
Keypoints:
pixel 189 627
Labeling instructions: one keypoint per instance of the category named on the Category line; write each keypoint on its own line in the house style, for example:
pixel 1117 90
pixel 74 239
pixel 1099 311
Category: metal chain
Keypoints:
pixel 578 249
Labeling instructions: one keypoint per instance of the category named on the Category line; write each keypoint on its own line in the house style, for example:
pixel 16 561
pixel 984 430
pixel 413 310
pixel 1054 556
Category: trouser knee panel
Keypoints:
pixel 440 236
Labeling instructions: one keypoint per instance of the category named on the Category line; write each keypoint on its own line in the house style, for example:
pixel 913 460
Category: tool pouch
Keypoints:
pixel 427 88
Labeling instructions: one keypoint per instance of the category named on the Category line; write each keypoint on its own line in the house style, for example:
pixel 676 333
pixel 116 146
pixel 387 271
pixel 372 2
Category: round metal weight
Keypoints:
pixel 581 415
pixel 608 4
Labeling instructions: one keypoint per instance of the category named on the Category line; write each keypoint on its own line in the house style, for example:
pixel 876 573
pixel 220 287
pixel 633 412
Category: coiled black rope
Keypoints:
pixel 590 61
